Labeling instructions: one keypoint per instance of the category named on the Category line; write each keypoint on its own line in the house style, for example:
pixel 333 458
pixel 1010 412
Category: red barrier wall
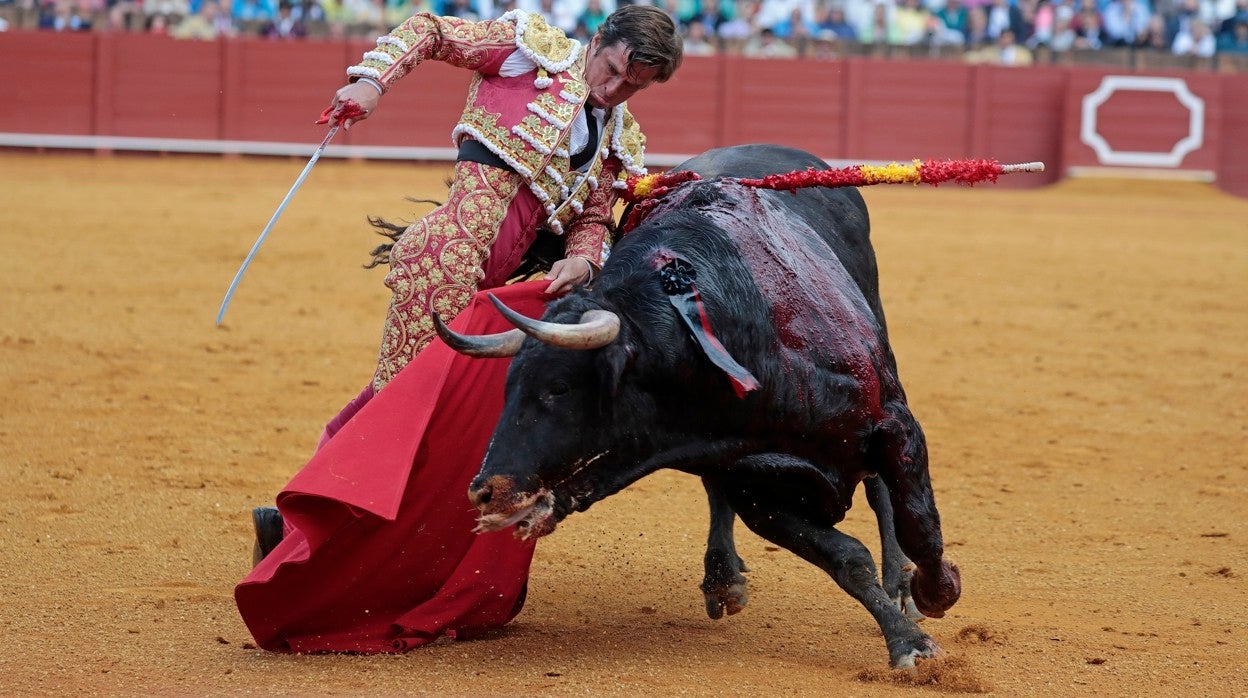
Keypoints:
pixel 54 82
pixel 1016 120
pixel 1233 145
pixel 853 110
pixel 683 114
pixel 144 89
pixel 796 103
pixel 274 91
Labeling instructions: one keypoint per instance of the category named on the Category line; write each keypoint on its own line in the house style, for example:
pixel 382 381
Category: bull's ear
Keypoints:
pixel 613 360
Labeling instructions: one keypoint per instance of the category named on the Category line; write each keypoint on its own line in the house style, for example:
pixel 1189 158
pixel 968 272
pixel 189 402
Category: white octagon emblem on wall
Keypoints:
pixel 1176 86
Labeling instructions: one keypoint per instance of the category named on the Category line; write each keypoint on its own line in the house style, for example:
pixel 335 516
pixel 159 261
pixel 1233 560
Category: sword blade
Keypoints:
pixel 238 276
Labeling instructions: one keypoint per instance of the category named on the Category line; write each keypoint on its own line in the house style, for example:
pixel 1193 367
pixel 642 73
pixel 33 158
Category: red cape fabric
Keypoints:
pixel 380 554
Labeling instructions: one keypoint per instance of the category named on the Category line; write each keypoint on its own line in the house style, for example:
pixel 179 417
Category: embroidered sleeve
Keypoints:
pixel 480 46
pixel 589 232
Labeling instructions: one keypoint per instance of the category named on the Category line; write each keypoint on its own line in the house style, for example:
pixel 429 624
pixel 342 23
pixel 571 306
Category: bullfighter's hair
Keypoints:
pixel 381 253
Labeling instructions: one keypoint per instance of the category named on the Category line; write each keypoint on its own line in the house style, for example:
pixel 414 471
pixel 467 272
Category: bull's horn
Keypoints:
pixel 597 328
pixel 480 345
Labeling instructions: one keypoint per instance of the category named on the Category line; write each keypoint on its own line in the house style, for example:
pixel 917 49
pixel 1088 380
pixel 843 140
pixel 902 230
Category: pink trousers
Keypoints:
pixel 472 242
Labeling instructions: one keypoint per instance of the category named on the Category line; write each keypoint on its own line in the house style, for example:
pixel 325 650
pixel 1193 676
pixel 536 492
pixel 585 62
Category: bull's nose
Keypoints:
pixel 496 489
pixel 480 496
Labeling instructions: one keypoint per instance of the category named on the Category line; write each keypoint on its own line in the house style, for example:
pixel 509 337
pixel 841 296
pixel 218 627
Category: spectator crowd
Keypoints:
pixel 1008 32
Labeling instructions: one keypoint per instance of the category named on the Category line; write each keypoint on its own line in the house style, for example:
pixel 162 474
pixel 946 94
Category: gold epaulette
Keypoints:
pixel 545 45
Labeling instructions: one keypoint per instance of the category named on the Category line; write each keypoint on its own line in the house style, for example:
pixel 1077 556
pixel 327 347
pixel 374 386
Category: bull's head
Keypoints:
pixel 605 390
pixel 536 471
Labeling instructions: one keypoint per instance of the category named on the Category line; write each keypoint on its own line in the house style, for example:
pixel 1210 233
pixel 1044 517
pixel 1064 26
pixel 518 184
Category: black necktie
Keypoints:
pixel 591 145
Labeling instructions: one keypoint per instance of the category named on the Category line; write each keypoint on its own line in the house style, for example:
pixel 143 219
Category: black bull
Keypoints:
pixel 614 387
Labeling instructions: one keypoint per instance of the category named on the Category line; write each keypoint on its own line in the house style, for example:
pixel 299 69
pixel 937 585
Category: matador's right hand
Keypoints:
pixel 362 94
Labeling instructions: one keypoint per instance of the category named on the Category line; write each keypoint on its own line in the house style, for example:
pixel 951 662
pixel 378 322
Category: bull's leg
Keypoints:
pixel 769 506
pixel 723 587
pixel 899 455
pixel 893 563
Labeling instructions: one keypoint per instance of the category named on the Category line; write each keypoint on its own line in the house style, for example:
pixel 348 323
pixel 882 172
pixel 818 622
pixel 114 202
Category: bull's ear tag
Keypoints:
pixel 678 278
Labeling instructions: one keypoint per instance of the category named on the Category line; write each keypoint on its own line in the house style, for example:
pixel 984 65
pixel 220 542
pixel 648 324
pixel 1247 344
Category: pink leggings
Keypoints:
pixel 474 241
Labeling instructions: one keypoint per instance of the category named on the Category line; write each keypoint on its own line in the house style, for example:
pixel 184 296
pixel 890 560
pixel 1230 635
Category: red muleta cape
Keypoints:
pixel 379 554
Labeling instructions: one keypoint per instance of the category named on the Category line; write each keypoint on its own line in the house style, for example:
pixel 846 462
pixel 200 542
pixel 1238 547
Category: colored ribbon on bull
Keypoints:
pixel 678 278
pixel 656 185
pixel 644 192
pixel 933 172
pixel 344 111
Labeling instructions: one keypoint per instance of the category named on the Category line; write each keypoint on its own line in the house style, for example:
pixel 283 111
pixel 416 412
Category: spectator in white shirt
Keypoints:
pixel 1196 41
pixel 1125 21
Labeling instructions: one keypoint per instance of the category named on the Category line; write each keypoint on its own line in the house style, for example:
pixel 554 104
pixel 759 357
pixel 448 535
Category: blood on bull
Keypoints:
pixel 735 334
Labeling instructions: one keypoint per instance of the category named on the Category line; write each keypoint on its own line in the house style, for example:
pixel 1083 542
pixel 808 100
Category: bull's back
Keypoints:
pixel 839 216
pixel 752 161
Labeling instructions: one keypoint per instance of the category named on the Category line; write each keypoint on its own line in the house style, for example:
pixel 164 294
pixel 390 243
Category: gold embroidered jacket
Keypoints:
pixel 526 120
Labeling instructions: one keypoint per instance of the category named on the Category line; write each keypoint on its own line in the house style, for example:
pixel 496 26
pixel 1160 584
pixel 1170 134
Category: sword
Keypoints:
pixel 346 110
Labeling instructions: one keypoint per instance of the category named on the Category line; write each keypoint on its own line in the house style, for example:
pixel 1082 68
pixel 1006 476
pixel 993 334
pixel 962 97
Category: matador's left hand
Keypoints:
pixel 569 272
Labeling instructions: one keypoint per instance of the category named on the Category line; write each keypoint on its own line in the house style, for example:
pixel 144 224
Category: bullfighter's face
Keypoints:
pixel 611 78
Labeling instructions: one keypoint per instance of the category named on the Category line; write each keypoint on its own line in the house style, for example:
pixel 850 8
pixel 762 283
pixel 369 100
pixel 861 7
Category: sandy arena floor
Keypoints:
pixel 1078 356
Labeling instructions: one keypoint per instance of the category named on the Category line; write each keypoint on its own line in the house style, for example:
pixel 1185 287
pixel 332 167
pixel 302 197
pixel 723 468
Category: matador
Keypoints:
pixel 545 141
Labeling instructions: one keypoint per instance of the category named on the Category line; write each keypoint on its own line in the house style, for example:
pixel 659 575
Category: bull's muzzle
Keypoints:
pixel 502 504
pixel 481 492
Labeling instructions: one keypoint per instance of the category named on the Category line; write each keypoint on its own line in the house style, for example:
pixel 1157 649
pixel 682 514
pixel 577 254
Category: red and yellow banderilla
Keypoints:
pixel 645 191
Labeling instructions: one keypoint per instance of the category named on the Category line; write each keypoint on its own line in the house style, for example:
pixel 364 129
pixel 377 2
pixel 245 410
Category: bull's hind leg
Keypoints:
pixel 723 587
pixel 778 499
pixel 849 563
pixel 898 452
pixel 893 563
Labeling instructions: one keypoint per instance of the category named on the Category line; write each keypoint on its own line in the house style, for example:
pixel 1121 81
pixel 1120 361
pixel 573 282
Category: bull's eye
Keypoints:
pixel 558 387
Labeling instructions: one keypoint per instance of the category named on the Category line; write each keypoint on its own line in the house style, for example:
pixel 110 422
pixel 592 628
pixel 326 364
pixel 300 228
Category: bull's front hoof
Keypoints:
pixel 905 658
pixel 730 599
pixel 723 587
pixel 935 593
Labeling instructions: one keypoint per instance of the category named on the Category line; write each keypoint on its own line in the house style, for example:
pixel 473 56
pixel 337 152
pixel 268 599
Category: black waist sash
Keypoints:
pixel 473 151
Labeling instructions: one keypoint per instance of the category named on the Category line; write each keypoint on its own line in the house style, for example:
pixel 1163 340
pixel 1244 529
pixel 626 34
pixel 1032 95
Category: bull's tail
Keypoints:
pixel 898 452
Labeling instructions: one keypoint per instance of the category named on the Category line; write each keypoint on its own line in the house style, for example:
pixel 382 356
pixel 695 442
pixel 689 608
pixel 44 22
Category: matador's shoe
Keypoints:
pixel 269 532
